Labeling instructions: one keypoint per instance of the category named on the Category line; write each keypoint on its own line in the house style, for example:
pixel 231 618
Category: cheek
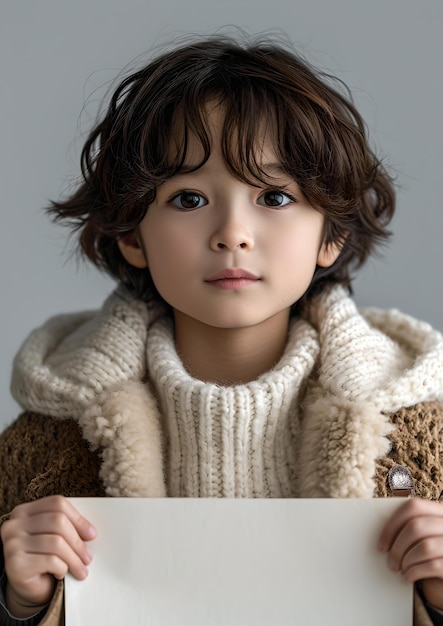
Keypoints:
pixel 298 250
pixel 168 251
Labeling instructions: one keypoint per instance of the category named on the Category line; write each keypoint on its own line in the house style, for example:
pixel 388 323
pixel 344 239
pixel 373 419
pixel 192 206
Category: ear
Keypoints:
pixel 132 251
pixel 329 253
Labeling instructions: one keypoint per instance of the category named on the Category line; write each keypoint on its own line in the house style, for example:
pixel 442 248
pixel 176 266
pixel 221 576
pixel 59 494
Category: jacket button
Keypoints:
pixel 400 481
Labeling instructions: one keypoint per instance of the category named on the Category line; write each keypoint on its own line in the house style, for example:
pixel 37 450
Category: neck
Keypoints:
pixel 230 356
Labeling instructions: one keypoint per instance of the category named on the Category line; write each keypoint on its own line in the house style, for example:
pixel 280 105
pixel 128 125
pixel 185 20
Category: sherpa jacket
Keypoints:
pixel 92 426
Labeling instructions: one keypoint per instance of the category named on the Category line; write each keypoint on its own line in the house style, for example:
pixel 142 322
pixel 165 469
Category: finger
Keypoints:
pixel 31 577
pixel 425 570
pixel 420 539
pixel 22 530
pixel 27 569
pixel 414 507
pixel 26 561
pixel 57 504
pixel 56 555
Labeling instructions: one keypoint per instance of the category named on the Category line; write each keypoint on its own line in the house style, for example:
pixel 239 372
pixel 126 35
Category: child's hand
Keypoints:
pixel 42 540
pixel 414 539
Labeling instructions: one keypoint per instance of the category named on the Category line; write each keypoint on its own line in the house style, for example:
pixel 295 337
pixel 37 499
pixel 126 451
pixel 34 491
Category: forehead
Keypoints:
pixel 223 133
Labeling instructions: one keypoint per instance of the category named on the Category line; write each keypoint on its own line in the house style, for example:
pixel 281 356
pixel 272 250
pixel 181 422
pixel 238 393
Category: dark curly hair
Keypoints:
pixel 320 140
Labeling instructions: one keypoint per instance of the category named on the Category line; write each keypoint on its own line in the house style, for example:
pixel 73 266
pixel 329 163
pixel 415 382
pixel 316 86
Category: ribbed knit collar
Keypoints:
pixel 236 441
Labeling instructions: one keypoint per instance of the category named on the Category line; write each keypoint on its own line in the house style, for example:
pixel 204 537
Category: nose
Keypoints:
pixel 232 234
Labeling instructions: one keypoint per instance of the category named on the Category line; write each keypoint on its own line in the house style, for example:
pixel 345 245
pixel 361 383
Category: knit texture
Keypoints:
pixel 305 429
pixel 40 456
pixel 417 443
pixel 65 364
pixel 236 441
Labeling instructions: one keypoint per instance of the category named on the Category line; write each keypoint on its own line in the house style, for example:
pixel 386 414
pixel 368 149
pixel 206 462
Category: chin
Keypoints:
pixel 232 323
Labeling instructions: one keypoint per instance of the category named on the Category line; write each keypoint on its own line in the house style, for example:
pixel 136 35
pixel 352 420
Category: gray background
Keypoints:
pixel 56 55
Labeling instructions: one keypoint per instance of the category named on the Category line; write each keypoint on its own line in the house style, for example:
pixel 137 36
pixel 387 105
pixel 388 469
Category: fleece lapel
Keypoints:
pixel 124 423
pixel 344 429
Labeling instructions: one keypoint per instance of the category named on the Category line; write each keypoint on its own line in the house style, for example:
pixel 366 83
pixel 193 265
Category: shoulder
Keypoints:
pixel 41 456
pixel 63 365
pixel 386 358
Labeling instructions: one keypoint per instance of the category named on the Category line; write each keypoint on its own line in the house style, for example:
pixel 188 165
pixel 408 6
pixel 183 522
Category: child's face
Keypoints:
pixel 225 253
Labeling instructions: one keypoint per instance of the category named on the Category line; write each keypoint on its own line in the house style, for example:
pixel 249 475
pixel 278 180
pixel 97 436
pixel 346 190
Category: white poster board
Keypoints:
pixel 208 562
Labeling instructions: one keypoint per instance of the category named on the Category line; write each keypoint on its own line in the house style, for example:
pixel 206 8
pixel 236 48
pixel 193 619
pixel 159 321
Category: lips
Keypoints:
pixel 232 279
pixel 233 273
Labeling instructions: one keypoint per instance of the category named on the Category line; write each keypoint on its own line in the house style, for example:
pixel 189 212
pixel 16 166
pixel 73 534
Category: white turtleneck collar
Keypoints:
pixel 236 441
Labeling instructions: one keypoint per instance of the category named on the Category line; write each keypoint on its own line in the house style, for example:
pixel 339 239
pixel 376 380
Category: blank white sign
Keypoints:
pixel 208 562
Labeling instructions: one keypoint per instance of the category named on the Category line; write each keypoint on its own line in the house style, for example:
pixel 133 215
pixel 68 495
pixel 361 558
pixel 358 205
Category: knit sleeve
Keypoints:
pixel 42 456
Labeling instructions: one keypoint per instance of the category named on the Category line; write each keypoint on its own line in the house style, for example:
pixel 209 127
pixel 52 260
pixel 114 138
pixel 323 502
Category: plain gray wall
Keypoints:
pixel 54 55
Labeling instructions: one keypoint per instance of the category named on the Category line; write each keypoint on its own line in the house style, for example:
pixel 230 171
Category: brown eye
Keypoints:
pixel 188 200
pixel 274 199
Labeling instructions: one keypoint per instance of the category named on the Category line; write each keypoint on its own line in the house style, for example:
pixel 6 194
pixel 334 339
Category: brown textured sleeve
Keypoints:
pixel 42 456
pixel 417 443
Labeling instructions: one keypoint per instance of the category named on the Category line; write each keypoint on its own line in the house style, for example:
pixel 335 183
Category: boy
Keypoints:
pixel 230 190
